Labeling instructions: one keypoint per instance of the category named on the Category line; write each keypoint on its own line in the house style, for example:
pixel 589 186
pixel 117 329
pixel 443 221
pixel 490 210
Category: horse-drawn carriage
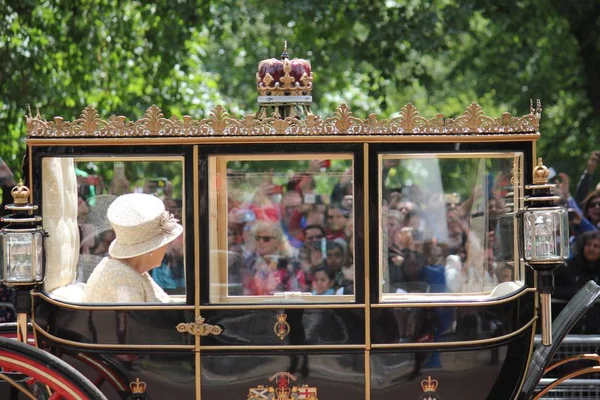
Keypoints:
pixel 322 258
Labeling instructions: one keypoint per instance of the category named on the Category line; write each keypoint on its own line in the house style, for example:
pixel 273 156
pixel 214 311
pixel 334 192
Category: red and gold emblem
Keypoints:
pixel 281 328
pixel 284 389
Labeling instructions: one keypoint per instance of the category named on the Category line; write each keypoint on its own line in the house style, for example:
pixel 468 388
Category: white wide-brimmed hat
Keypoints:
pixel 141 225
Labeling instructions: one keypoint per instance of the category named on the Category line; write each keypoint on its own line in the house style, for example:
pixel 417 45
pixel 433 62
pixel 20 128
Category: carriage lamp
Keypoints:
pixel 22 246
pixel 545 239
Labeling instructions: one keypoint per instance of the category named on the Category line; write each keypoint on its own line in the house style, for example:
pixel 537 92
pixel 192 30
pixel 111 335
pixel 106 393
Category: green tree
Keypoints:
pixel 375 56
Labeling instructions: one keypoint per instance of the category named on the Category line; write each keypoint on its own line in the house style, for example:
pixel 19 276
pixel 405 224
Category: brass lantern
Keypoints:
pixel 22 242
pixel 22 258
pixel 545 239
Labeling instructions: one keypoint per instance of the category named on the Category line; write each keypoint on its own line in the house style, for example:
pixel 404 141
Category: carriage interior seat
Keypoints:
pixel 71 293
pixel 505 288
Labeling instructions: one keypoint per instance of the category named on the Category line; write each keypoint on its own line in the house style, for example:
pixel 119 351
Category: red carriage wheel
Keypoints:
pixel 37 368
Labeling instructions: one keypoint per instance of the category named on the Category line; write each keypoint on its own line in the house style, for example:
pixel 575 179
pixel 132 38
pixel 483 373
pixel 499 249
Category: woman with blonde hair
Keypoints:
pixel 269 269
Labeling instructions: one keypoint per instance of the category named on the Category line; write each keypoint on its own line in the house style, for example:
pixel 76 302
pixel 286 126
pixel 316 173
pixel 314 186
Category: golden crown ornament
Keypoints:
pixel 284 88
pixel 540 173
pixel 429 387
pixel 138 390
pixel 20 194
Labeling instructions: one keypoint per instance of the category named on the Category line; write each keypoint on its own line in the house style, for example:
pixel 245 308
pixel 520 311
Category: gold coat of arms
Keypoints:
pixel 283 389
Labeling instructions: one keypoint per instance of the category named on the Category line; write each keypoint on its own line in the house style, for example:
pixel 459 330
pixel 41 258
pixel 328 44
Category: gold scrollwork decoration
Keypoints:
pixel 199 328
pixel 343 122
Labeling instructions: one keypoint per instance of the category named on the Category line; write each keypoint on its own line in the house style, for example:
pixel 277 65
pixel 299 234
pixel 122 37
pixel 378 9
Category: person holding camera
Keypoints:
pixel 584 186
pixel 578 221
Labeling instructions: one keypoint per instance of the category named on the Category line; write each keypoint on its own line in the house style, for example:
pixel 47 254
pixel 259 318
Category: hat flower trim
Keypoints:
pixel 168 224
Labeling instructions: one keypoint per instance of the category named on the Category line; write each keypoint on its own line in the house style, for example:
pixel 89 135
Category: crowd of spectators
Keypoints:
pixel 292 237
pixel 440 243
pixel 583 264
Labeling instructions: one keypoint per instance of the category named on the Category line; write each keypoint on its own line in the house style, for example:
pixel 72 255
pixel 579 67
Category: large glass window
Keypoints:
pixel 76 195
pixel 448 224
pixel 281 228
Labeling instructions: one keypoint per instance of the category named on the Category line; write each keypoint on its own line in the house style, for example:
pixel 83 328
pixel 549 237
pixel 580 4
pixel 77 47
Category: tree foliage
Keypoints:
pixel 189 56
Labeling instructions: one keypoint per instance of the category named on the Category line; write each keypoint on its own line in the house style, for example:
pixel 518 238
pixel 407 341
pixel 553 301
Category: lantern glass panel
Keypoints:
pixel 38 261
pixel 545 235
pixel 564 233
pixel 20 254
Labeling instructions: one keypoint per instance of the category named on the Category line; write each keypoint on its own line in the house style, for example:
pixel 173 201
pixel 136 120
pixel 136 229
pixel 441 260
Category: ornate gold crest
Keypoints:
pixel 282 327
pixel 199 328
pixel 429 387
pixel 282 390
pixel 219 123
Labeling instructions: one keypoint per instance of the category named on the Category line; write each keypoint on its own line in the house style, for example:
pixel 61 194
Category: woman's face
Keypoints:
pixel 156 256
pixel 266 242
pixel 591 250
pixel 593 210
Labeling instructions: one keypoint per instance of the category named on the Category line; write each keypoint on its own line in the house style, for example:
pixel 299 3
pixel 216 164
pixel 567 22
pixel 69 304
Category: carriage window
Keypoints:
pixel 76 195
pixel 281 228
pixel 447 224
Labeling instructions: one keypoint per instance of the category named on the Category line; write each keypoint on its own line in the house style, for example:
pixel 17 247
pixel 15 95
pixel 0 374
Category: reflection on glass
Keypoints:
pixel 448 223
pixel 289 226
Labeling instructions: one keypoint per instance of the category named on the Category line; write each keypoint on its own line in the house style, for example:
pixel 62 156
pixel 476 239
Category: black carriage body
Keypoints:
pixel 368 346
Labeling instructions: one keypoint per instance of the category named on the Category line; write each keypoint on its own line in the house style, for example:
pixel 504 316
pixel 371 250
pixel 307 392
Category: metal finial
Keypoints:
pixel 540 173
pixel 285 52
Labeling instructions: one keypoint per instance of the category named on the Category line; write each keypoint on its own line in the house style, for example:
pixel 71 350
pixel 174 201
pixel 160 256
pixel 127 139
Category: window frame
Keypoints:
pixel 518 157
pixel 217 161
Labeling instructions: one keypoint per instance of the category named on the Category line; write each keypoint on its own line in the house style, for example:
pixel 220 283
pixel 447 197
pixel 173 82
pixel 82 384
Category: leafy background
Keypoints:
pixel 189 56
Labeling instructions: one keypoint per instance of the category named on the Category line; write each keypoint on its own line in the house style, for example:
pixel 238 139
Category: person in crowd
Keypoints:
pixel 591 208
pixel 343 188
pixel 337 260
pixel 313 233
pixel 323 281
pixel 395 221
pixel 143 230
pixel 337 217
pixel 584 186
pixel 577 217
pixel 504 273
pixel 170 275
pixel 291 214
pixel 433 272
pixel 102 247
pixel 270 268
pixel 583 267
pixel 314 215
